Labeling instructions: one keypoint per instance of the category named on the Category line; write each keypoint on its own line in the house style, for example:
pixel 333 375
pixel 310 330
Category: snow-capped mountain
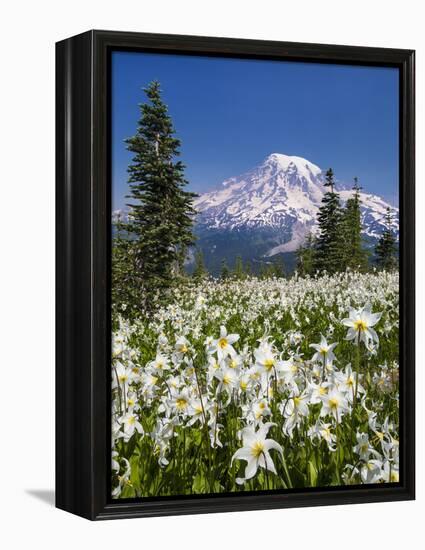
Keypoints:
pixel 279 199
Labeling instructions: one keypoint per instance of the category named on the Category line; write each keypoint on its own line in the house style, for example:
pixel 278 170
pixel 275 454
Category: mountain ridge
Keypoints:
pixel 283 193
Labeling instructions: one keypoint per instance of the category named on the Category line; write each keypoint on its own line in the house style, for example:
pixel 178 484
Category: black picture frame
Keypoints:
pixel 82 247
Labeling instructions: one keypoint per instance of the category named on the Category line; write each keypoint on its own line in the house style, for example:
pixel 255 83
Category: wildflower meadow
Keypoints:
pixel 247 385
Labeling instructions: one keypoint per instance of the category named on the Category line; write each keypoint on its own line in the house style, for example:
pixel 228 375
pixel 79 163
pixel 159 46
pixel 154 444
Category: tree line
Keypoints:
pixel 338 244
pixel 241 270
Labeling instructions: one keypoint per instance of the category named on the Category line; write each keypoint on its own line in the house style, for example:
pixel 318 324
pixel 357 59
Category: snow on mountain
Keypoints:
pixel 119 215
pixel 282 194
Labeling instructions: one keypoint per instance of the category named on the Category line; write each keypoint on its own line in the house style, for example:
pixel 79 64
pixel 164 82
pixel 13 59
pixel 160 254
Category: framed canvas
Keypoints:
pixel 235 275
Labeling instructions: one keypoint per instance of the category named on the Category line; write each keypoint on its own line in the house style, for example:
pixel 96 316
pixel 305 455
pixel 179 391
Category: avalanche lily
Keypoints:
pixel 360 323
pixel 255 451
pixel 223 345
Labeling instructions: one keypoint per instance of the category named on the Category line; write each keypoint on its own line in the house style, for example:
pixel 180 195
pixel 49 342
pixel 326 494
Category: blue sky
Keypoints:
pixel 231 113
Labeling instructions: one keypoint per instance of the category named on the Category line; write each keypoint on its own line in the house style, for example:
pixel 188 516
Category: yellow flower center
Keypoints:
pixel 297 401
pixel 333 403
pixel 226 379
pixel 360 325
pixel 233 364
pixel 183 348
pixel 122 378
pixel 243 385
pixel 130 402
pixel 269 363
pixel 222 343
pixel 323 351
pixel 322 391
pixel 257 449
pixel 181 404
pixel 131 420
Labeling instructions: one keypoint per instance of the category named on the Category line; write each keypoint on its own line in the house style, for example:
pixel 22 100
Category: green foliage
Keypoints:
pixel 200 270
pixel 328 245
pixel 352 253
pixel 305 257
pixel 386 249
pixel 125 295
pixel 248 269
pixel 339 244
pixel 159 230
pixel 239 272
pixel 279 267
pixel 225 271
pixel 271 269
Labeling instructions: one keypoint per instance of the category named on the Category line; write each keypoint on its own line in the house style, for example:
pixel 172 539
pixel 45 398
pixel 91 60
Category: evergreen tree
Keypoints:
pixel 386 249
pixel 353 255
pixel 305 257
pixel 124 294
pixel 327 252
pixel 239 270
pixel 267 270
pixel 225 272
pixel 279 268
pixel 248 269
pixel 162 213
pixel 200 271
pixel 263 273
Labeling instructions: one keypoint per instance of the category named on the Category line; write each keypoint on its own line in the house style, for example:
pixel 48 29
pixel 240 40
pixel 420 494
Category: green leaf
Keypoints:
pixel 199 484
pixel 313 474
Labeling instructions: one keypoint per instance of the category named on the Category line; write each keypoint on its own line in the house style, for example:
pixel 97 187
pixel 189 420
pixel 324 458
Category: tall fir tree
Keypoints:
pixel 200 271
pixel 267 270
pixel 162 213
pixel 225 271
pixel 386 248
pixel 279 268
pixel 327 252
pixel 305 256
pixel 248 268
pixel 352 253
pixel 239 270
pixel 125 295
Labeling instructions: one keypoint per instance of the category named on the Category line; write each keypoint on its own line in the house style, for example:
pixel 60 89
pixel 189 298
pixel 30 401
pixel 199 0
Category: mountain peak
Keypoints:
pixel 283 194
pixel 288 162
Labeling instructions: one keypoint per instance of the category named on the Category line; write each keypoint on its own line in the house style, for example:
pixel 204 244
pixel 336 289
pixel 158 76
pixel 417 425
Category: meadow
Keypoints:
pixel 246 385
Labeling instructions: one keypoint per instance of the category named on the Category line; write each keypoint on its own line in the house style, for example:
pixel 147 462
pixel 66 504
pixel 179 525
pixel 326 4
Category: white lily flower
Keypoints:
pixel 224 344
pixel 334 404
pixel 159 365
pixel 131 424
pixel 255 451
pixel 360 323
pixel 324 351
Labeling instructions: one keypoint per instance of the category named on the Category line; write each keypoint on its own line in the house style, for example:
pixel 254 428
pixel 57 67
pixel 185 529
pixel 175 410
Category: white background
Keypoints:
pixel 29 30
